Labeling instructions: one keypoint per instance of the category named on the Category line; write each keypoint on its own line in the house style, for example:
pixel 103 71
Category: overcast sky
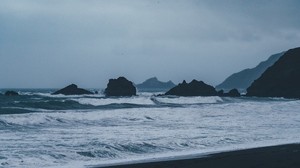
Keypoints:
pixel 52 43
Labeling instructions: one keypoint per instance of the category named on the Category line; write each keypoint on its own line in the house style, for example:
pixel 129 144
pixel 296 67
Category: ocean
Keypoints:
pixel 38 129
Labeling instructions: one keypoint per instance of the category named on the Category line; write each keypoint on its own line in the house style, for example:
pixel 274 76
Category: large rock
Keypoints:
pixel 72 90
pixel 154 85
pixel 280 80
pixel 194 88
pixel 11 93
pixel 120 87
pixel 243 79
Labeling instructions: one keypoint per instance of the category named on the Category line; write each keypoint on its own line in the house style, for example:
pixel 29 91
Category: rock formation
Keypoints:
pixel 194 88
pixel 280 80
pixel 231 93
pixel 243 79
pixel 11 93
pixel 120 87
pixel 72 90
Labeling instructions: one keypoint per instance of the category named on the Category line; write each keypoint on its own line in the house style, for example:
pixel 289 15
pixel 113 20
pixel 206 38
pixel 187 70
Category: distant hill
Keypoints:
pixel 280 80
pixel 243 79
pixel 154 85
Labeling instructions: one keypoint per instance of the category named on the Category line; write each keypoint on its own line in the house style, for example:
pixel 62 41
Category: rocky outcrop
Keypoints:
pixel 231 93
pixel 120 87
pixel 72 90
pixel 220 92
pixel 11 93
pixel 194 88
pixel 243 79
pixel 280 80
pixel 154 85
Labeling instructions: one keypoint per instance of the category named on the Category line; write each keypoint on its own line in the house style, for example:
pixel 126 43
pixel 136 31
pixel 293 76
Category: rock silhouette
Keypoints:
pixel 120 87
pixel 232 93
pixel 194 88
pixel 11 93
pixel 153 84
pixel 280 80
pixel 72 90
pixel 243 79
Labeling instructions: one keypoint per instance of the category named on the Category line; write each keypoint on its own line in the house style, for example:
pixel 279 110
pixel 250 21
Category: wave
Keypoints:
pixel 30 102
pixel 122 100
pixel 188 100
pixel 45 102
pixel 49 94
pixel 70 117
pixel 61 106
pixel 86 132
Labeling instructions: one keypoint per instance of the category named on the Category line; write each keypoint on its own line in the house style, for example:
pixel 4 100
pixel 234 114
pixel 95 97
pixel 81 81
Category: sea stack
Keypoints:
pixel 280 80
pixel 194 88
pixel 11 93
pixel 72 90
pixel 120 87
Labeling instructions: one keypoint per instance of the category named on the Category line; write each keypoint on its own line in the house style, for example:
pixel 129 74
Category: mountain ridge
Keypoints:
pixel 153 84
pixel 281 79
pixel 243 79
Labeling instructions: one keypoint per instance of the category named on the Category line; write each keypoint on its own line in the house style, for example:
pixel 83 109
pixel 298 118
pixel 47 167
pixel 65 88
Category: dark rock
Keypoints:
pixel 232 93
pixel 154 85
pixel 11 93
pixel 243 79
pixel 280 80
pixel 72 90
pixel 120 87
pixel 195 88
pixel 220 92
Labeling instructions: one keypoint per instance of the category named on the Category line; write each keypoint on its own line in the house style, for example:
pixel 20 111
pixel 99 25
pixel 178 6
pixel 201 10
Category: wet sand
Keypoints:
pixel 282 156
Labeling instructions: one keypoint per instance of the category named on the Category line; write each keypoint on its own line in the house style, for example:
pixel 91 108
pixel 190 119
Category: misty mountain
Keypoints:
pixel 243 79
pixel 154 85
pixel 281 79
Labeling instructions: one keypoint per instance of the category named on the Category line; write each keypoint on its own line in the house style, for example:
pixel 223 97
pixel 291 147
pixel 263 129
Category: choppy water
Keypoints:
pixel 41 130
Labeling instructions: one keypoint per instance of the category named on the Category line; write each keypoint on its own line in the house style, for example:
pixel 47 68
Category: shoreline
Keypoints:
pixel 281 156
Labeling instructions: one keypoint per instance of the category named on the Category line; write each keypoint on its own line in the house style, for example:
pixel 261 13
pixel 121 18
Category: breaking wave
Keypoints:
pixel 41 130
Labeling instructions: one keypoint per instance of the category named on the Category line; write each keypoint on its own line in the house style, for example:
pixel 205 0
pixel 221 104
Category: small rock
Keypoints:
pixel 72 90
pixel 11 93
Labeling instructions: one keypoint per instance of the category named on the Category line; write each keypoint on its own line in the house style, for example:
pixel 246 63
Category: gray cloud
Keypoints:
pixel 53 43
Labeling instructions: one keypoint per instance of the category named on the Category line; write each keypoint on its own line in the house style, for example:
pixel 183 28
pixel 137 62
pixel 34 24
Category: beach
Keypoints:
pixel 281 156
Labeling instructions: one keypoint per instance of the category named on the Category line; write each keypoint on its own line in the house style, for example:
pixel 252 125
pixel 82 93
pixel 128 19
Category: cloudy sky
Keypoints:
pixel 52 43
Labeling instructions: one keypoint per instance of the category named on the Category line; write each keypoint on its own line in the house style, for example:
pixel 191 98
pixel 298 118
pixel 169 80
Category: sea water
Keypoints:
pixel 38 129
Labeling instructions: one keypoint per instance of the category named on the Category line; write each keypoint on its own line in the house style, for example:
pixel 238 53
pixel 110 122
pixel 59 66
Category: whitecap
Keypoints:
pixel 139 100
pixel 189 100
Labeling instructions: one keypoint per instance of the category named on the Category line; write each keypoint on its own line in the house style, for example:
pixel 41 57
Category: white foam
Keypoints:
pixel 189 100
pixel 54 138
pixel 106 101
pixel 49 94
